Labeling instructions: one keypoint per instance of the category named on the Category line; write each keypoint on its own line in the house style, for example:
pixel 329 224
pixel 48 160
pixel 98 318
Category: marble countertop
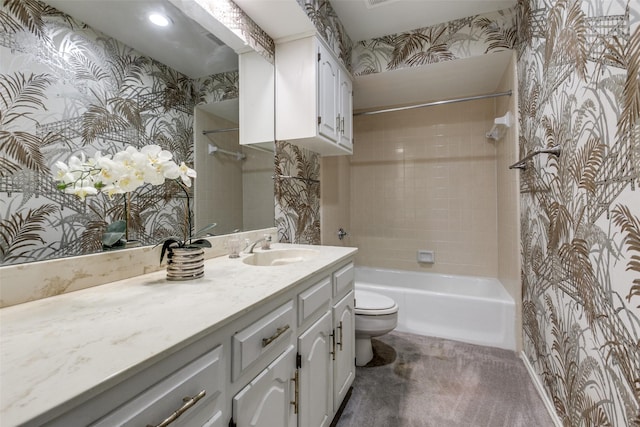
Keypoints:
pixel 54 350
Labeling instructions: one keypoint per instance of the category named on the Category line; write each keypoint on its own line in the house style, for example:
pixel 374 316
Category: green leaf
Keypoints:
pixel 204 230
pixel 111 239
pixel 119 226
pixel 171 242
pixel 202 243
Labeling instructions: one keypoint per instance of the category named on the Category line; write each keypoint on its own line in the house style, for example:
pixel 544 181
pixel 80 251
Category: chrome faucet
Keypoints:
pixel 265 245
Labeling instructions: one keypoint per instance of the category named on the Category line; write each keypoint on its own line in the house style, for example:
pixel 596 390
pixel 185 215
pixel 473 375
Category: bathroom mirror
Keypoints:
pixel 100 77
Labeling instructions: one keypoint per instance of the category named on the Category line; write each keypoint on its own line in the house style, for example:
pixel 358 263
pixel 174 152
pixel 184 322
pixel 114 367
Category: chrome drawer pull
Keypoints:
pixel 296 392
pixel 188 403
pixel 279 331
pixel 333 344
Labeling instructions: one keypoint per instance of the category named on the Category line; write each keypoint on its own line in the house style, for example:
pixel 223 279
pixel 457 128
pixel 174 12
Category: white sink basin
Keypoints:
pixel 275 257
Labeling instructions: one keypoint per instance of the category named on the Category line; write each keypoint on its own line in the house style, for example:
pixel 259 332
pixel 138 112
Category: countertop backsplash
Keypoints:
pixel 33 281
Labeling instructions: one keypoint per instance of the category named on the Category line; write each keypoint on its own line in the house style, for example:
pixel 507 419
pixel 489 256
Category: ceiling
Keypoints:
pixel 187 47
pixel 433 82
pixel 184 46
pixel 363 21
pixel 473 76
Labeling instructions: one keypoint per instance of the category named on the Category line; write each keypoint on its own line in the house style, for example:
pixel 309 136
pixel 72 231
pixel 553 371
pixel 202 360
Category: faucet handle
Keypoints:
pixel 341 233
pixel 266 243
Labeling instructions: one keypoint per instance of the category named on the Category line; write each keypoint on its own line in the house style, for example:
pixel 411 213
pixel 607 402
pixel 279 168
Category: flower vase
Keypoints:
pixel 185 263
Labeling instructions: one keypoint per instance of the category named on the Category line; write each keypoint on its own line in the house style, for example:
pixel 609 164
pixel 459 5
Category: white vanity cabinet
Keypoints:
pixel 314 106
pixel 313 379
pixel 344 369
pixel 269 400
pixel 315 347
pixel 327 349
pixel 183 383
pixel 282 359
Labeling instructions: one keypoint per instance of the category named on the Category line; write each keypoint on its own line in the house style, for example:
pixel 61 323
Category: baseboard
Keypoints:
pixel 338 414
pixel 541 391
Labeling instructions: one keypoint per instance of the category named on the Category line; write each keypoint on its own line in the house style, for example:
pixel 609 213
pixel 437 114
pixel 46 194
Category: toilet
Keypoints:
pixel 375 315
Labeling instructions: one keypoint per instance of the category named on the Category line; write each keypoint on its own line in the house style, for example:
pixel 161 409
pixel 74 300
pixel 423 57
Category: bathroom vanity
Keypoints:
pixel 270 344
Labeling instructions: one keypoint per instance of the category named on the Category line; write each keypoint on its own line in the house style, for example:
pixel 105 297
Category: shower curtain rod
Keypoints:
pixel 434 103
pixel 206 132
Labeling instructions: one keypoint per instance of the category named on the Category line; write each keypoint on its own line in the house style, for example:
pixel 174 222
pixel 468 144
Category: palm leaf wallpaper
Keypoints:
pixel 297 194
pixel 578 87
pixel 65 88
pixel 578 84
pixel 462 38
pixel 326 21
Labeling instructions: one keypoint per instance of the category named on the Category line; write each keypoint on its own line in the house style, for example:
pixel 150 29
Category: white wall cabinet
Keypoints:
pixel 314 107
pixel 256 80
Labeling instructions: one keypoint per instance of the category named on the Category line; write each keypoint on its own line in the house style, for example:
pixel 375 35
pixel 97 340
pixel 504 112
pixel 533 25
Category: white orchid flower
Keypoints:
pixel 82 188
pixel 186 173
pixel 121 173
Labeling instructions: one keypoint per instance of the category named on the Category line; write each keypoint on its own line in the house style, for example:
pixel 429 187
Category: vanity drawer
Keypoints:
pixel 184 386
pixel 343 280
pixel 313 299
pixel 261 337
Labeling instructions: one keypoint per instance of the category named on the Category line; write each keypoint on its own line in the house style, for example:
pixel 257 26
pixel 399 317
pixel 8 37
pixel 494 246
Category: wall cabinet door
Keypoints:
pixel 316 368
pixel 344 369
pixel 266 401
pixel 345 112
pixel 328 100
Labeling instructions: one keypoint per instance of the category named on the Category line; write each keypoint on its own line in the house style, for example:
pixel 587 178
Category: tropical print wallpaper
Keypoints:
pixel 462 38
pixel 328 25
pixel 232 17
pixel 579 89
pixel 67 89
pixel 297 194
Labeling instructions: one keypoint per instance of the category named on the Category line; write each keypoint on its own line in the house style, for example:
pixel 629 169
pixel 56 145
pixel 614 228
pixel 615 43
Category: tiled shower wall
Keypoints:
pixel 426 179
pixel 508 183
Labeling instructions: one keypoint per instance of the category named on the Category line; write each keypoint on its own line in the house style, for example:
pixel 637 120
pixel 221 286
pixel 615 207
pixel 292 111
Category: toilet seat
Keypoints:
pixel 372 304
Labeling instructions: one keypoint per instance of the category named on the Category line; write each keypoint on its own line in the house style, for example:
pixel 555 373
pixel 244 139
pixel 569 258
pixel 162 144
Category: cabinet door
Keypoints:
pixel 327 95
pixel 346 112
pixel 316 365
pixel 266 401
pixel 344 368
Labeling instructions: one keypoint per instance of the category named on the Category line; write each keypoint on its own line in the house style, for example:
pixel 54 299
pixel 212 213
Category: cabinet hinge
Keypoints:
pixel 319 119
pixel 319 56
pixel 298 361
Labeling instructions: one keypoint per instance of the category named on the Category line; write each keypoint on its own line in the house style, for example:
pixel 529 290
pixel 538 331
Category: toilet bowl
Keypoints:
pixel 375 315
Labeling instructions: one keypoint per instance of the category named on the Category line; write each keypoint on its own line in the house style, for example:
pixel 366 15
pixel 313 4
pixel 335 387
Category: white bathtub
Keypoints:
pixel 476 310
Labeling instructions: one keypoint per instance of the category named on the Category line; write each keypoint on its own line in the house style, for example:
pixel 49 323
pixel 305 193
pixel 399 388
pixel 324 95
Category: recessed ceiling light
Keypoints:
pixel 159 19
